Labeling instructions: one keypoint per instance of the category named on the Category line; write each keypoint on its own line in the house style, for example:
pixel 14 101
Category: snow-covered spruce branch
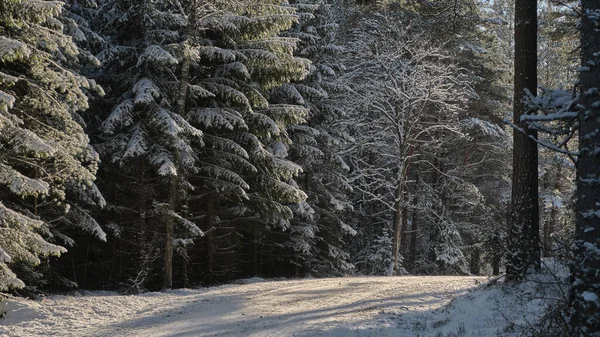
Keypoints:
pixel 552 147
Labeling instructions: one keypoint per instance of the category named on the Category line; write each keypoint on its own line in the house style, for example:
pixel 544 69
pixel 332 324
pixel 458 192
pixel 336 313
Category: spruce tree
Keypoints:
pixel 318 232
pixel 584 300
pixel 190 126
pixel 145 135
pixel 47 169
pixel 246 178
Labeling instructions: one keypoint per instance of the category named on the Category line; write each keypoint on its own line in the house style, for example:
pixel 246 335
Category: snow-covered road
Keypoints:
pixel 353 306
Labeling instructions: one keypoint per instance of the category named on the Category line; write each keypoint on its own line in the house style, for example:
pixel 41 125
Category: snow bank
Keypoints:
pixel 250 280
pixel 16 311
pixel 495 308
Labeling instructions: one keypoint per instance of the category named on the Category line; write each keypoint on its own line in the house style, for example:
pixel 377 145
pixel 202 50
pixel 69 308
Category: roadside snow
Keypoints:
pixel 249 280
pixel 496 309
pixel 337 307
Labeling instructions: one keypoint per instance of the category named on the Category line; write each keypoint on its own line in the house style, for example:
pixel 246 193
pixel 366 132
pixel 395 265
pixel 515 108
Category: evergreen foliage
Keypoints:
pixel 47 168
pixel 319 230
pixel 272 138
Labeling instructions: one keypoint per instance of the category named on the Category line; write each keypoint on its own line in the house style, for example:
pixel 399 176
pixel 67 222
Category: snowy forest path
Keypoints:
pixel 352 306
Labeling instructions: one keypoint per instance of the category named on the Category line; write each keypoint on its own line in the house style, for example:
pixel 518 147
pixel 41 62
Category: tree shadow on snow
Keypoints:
pixel 229 315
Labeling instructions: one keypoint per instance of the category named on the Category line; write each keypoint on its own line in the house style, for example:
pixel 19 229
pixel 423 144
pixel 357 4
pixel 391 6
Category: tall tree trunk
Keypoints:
pixel 412 254
pixel 404 237
pixel 185 67
pixel 550 223
pixel 548 230
pixel 523 219
pixel 400 219
pixel 585 289
pixel 174 179
pixel 210 249
pixel 397 225
pixel 184 271
pixel 434 232
pixel 142 226
pixel 254 252
pixel 496 258
pixel 185 257
pixel 475 260
pixel 170 234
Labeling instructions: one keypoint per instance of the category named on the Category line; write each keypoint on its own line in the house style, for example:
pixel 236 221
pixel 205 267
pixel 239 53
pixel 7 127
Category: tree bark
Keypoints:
pixel 496 264
pixel 185 67
pixel 523 219
pixel 170 234
pixel 475 260
pixel 400 216
pixel 412 254
pixel 397 224
pixel 497 248
pixel 174 179
pixel 142 227
pixel 548 230
pixel 210 254
pixel 584 297
pixel 254 252
pixel 404 237
pixel 549 225
pixel 170 227
pixel 184 271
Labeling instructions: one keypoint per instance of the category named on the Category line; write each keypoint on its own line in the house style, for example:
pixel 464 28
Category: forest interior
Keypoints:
pixel 300 168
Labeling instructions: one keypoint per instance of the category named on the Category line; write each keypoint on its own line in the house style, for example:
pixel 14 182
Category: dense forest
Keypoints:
pixel 150 145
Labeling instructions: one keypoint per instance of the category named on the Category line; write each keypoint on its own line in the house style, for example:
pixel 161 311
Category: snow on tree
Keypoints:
pixel 46 166
pixel 259 137
pixel 523 219
pixel 554 116
pixel 584 306
pixel 241 183
pixel 146 133
pixel 318 231
pixel 406 105
pixel 185 121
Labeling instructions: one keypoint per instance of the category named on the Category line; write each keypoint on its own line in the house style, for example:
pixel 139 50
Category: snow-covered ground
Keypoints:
pixel 336 307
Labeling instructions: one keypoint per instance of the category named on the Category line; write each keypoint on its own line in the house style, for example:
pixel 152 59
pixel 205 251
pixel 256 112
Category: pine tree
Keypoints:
pixel 523 219
pixel 319 231
pixel 46 165
pixel 146 132
pixel 584 299
pixel 242 182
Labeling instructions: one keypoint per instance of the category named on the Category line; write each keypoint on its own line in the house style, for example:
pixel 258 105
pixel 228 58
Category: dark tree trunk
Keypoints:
pixel 254 252
pixel 169 235
pixel 434 232
pixel 496 264
pixel 523 218
pixel 404 237
pixel 210 249
pixel 475 260
pixel 412 253
pixel 184 271
pixel 585 289
pixel 397 226
pixel 174 179
pixel 142 234
pixel 548 230
pixel 549 225
pixel 185 257
pixel 400 218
